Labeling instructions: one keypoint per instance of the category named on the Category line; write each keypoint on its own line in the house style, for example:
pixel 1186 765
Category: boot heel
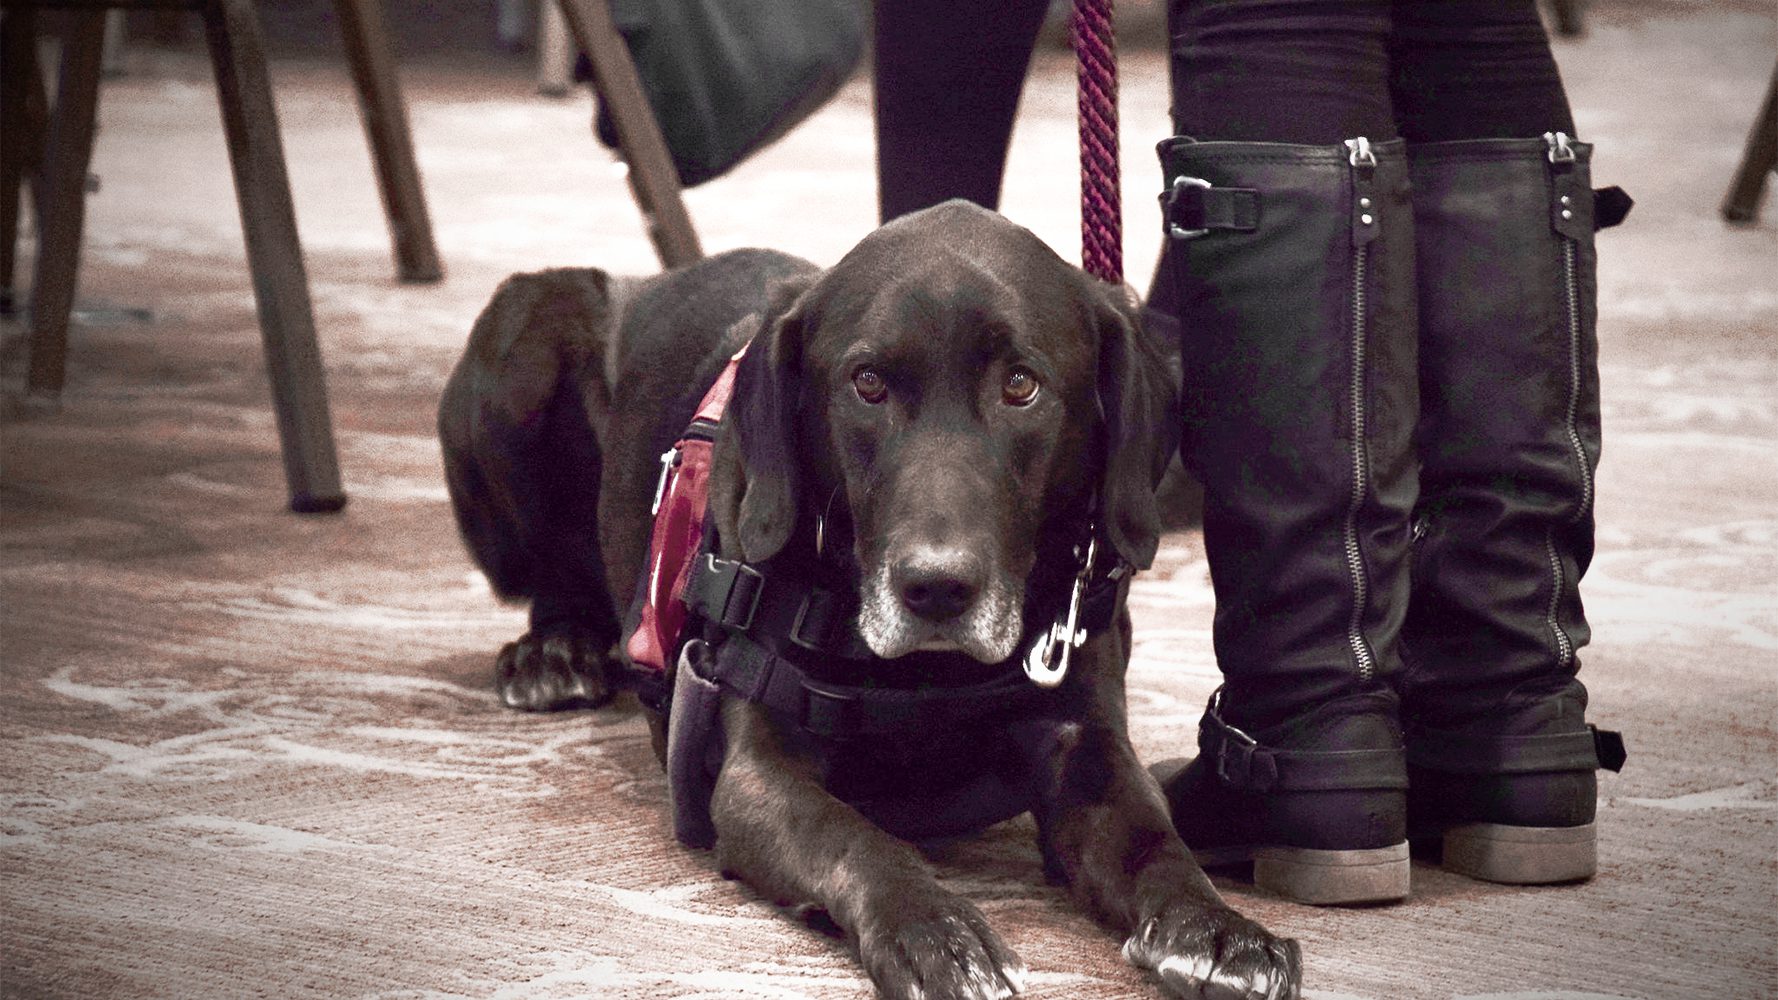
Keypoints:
pixel 1333 878
pixel 1522 855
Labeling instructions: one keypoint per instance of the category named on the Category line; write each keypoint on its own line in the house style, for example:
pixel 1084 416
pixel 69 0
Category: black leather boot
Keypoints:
pixel 1501 759
pixel 1292 281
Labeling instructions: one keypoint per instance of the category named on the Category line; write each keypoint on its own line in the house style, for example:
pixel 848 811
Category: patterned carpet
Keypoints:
pixel 253 754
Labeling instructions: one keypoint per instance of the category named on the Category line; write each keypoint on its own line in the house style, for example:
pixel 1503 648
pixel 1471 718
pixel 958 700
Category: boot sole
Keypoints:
pixel 1522 855
pixel 1323 878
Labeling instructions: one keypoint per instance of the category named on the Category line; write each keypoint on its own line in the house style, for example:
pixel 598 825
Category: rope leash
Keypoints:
pixel 1101 216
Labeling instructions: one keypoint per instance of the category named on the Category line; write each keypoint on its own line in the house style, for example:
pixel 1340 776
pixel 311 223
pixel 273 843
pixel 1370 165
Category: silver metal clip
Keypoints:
pixel 1360 155
pixel 1172 196
pixel 1560 150
pixel 1047 663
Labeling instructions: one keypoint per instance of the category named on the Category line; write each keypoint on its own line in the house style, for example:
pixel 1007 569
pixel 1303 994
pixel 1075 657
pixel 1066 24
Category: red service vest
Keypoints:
pixel 681 502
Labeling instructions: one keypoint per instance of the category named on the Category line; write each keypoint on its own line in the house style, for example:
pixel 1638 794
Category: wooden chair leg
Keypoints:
pixel 67 153
pixel 280 284
pixel 22 151
pixel 653 179
pixel 1749 184
pixel 555 53
pixel 366 34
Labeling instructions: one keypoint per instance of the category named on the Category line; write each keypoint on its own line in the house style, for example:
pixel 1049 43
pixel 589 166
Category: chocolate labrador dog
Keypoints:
pixel 936 429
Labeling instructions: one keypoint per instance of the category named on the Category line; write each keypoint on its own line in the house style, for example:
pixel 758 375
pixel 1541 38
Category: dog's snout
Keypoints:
pixel 938 586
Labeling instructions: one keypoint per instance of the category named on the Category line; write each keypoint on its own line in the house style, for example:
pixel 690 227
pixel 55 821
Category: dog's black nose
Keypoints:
pixel 938 586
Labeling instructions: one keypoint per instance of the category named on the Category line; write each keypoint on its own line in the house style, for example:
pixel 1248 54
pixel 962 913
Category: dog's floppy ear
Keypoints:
pixel 1139 395
pixel 764 414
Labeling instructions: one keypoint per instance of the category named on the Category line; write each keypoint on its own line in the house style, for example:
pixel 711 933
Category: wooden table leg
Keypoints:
pixel 280 283
pixel 1749 185
pixel 366 35
pixel 67 153
pixel 653 179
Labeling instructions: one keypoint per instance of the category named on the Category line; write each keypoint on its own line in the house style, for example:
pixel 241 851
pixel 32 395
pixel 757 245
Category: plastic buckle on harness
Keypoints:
pixel 829 714
pixel 813 626
pixel 1047 663
pixel 732 589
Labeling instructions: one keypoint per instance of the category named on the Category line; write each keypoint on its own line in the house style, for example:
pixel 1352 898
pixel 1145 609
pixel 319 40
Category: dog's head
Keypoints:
pixel 954 391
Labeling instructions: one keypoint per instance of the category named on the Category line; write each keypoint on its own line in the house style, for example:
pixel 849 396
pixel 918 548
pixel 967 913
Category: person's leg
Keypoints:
pixel 1474 69
pixel 1290 275
pixel 1297 71
pixel 948 76
pixel 1500 757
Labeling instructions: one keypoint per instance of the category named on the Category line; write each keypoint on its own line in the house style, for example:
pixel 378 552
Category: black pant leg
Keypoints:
pixel 948 76
pixel 1474 69
pixel 1297 71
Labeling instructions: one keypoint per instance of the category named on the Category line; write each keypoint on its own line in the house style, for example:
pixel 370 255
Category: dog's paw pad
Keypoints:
pixel 552 672
pixel 1216 954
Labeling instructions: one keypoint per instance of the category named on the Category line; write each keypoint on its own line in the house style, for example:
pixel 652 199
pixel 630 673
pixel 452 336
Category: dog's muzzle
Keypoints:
pixel 928 603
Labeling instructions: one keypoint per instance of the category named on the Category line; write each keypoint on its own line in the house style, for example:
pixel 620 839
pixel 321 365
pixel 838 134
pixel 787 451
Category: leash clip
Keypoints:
pixel 1047 663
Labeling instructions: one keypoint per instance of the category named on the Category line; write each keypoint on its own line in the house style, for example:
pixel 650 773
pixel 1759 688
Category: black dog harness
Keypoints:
pixel 779 640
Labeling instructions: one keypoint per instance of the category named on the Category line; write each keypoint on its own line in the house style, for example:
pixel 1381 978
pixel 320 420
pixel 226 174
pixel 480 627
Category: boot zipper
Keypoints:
pixel 1564 645
pixel 1571 285
pixel 1561 157
pixel 1363 163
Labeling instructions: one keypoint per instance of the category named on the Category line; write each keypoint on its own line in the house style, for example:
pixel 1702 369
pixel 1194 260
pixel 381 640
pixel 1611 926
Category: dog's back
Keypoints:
pixel 546 508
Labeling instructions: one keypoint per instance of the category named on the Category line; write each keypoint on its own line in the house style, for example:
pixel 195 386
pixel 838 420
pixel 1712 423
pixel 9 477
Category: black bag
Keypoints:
pixel 727 77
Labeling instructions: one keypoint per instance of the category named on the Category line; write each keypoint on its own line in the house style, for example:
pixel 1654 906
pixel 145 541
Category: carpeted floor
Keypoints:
pixel 248 753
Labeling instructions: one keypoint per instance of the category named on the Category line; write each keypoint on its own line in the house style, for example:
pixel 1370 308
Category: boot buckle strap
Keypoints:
pixel 1246 764
pixel 1609 746
pixel 1192 207
pixel 1240 761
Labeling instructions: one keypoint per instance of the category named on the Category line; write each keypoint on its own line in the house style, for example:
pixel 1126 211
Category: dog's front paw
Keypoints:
pixel 554 670
pixel 1216 954
pixel 939 950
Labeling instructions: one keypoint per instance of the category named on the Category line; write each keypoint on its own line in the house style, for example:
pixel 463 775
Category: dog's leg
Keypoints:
pixel 780 831
pixel 518 423
pixel 1105 831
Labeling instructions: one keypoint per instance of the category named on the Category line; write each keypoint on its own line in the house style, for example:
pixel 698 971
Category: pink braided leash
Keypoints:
pixel 1101 216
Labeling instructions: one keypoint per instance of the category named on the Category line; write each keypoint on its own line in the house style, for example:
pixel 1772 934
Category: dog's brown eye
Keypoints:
pixel 1020 388
pixel 870 386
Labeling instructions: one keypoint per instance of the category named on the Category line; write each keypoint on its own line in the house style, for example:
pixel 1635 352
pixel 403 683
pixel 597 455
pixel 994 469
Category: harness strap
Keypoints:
pixel 758 611
pixel 745 600
pixel 839 712
pixel 739 597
